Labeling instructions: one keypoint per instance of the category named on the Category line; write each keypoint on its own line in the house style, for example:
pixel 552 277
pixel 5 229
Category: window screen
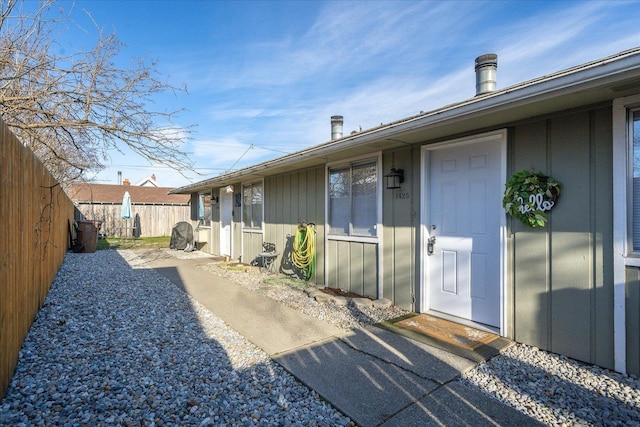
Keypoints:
pixel 352 200
pixel 252 205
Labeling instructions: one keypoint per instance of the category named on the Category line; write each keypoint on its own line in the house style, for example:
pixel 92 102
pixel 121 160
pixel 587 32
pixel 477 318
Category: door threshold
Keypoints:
pixel 466 322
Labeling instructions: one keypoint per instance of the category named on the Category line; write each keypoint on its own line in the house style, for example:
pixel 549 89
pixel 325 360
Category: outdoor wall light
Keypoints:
pixel 229 189
pixel 394 178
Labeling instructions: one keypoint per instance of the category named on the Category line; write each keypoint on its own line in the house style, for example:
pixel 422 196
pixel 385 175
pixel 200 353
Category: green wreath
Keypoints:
pixel 528 196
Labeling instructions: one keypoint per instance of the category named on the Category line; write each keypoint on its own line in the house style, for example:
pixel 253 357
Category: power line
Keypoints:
pixel 245 152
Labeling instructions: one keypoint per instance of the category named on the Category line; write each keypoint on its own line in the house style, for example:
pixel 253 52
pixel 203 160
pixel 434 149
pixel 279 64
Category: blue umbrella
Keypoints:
pixel 125 213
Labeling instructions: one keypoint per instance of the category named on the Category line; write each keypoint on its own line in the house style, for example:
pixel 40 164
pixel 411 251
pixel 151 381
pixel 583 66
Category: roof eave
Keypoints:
pixel 590 83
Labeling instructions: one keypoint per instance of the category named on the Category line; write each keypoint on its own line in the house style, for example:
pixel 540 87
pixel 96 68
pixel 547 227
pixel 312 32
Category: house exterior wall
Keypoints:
pixel 251 246
pixel 559 290
pixel 236 225
pixel 290 200
pixel 561 276
pixel 213 233
pixel 632 319
pixel 353 266
pixel 400 220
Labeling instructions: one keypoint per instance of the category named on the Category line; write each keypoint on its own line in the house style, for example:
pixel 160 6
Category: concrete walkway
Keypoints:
pixel 374 376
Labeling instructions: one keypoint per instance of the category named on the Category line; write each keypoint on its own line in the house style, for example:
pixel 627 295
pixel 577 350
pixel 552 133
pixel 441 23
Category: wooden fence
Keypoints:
pixel 155 220
pixel 35 214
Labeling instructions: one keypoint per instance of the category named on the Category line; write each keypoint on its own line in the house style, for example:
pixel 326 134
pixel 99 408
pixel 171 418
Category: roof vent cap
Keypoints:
pixel 336 127
pixel 486 73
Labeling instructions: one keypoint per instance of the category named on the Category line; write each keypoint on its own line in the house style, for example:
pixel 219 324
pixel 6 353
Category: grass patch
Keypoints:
pixel 134 243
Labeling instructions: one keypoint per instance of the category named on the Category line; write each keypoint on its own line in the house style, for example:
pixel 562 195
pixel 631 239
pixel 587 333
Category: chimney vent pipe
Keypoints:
pixel 336 127
pixel 486 73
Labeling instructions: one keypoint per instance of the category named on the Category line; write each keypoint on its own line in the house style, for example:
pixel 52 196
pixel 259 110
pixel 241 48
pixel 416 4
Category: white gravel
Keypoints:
pixel 121 345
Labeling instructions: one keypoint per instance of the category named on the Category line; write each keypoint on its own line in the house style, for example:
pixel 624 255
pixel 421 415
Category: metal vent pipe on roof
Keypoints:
pixel 336 127
pixel 486 73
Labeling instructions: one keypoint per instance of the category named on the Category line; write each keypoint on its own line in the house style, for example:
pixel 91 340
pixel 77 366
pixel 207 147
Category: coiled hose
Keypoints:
pixel 303 255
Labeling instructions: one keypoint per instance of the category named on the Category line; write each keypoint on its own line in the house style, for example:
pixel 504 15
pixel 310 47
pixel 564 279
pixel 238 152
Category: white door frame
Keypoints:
pixel 424 215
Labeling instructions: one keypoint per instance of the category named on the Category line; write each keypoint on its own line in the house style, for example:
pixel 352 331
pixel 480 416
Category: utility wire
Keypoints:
pixel 245 152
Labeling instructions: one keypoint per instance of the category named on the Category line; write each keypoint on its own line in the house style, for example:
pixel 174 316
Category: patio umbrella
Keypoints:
pixel 125 213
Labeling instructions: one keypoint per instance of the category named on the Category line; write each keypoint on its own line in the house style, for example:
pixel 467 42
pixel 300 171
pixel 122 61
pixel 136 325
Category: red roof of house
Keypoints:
pixel 106 193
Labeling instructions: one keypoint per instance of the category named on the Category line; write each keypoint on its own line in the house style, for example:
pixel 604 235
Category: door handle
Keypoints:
pixel 430 244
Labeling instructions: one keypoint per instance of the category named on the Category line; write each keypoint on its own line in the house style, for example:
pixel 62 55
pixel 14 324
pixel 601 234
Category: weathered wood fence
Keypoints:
pixel 35 213
pixel 155 220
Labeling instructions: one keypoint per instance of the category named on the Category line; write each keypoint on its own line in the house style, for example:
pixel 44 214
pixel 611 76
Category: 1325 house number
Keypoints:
pixel 402 195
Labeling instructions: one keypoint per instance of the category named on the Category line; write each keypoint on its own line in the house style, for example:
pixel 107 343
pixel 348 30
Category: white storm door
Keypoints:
pixel 226 215
pixel 464 217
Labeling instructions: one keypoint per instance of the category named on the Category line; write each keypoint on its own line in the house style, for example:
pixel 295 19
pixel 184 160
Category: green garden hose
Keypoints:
pixel 304 250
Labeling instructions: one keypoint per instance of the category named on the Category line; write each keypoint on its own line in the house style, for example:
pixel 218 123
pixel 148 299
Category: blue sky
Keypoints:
pixel 264 77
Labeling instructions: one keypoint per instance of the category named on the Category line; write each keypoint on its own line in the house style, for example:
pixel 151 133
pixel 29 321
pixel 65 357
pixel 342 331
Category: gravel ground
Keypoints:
pixel 120 345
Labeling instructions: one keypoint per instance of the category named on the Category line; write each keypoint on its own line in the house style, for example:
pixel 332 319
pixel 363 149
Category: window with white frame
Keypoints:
pixel 204 209
pixel 634 137
pixel 252 205
pixel 353 190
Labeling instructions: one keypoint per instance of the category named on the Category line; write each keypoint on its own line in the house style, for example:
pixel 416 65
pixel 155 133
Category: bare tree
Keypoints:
pixel 73 109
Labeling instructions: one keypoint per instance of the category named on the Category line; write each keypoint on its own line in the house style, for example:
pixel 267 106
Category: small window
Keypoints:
pixel 252 206
pixel 634 136
pixel 204 209
pixel 353 200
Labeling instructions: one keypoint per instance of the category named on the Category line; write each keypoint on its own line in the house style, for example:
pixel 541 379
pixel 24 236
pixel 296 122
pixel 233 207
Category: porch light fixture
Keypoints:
pixel 229 189
pixel 394 178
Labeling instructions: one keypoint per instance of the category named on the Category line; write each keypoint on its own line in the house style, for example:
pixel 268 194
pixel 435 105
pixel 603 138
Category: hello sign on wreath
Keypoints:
pixel 528 196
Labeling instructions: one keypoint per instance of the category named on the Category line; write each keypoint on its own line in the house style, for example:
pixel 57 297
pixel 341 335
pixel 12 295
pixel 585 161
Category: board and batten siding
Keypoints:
pixel 353 267
pixel 561 275
pixel 290 200
pixel 632 319
pixel 399 212
pixel 300 196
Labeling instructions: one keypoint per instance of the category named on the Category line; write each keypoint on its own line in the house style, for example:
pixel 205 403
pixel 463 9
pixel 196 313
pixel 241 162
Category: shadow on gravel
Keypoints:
pixel 116 345
pixel 373 379
pixel 372 375
pixel 567 391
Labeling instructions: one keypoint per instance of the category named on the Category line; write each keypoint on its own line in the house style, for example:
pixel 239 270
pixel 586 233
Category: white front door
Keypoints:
pixel 226 215
pixel 462 247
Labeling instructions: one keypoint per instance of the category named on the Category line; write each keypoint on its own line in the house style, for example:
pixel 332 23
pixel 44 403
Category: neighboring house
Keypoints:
pixel 571 287
pixel 158 210
pixel 149 181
